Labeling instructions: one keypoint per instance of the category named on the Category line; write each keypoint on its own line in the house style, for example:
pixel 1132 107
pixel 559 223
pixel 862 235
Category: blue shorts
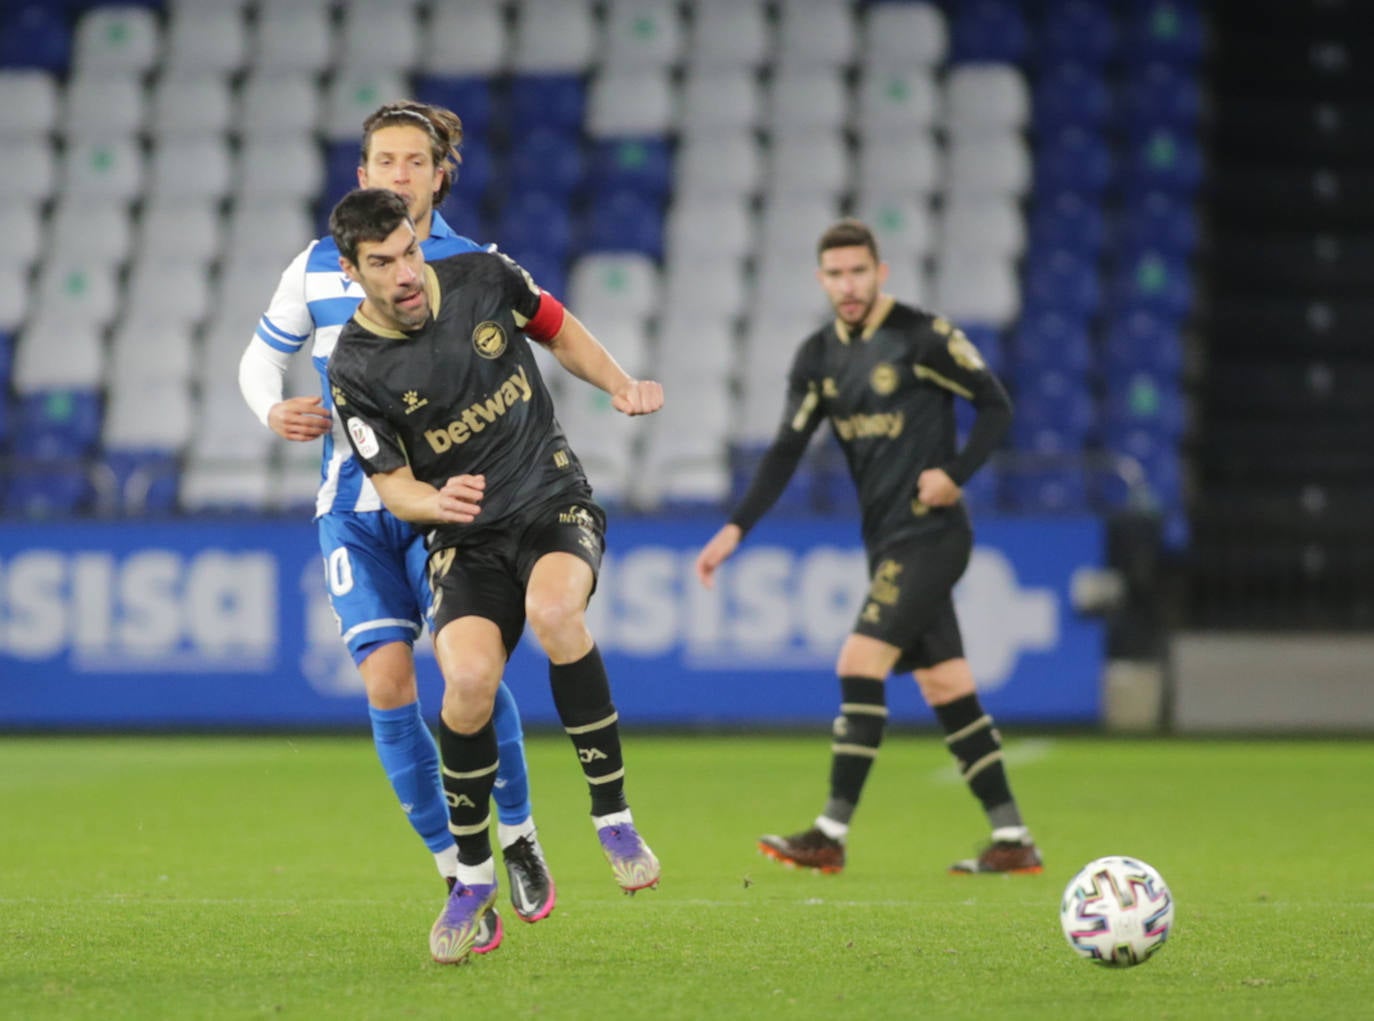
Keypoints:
pixel 374 569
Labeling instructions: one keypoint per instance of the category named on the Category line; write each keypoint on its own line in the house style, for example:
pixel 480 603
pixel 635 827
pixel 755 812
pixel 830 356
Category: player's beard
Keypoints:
pixel 845 309
pixel 411 317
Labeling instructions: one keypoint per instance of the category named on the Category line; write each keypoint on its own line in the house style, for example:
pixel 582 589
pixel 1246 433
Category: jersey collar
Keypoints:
pixel 875 319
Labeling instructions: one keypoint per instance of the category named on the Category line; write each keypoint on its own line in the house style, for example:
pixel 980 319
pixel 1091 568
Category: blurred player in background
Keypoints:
pixel 885 375
pixel 448 414
pixel 375 563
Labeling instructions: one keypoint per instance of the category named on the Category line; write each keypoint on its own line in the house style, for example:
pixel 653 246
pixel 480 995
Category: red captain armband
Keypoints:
pixel 545 323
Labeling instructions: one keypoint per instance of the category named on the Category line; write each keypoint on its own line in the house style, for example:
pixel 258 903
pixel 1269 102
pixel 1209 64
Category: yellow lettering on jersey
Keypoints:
pixel 476 417
pixel 887 425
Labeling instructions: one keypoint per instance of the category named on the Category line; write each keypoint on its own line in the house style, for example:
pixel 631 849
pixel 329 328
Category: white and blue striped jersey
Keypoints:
pixel 313 300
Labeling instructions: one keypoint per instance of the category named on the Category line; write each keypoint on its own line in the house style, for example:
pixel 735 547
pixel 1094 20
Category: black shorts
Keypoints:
pixel 485 576
pixel 909 602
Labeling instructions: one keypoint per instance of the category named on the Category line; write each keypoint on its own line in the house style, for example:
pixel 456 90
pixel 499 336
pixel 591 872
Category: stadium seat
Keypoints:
pixel 292 37
pixel 983 223
pixel 632 101
pixel 352 96
pixel 56 424
pixel 814 34
pixel 986 97
pixel 554 37
pixel 192 103
pixel 727 36
pixel 1054 340
pixel 904 34
pixel 806 98
pixel 899 164
pixel 30 102
pixel 989 30
pixel 20 226
pixel 713 288
pixel 1063 282
pixel 1068 221
pixel 553 100
pixel 1081 31
pixel 708 227
pixel 28 169
pixel 619 286
pixel 147 416
pixel 902 223
pixel 103 104
pixel 1164 30
pixel 191 169
pixel 641 164
pixel 1071 94
pixel 719 97
pixel 1156 282
pixel 622 221
pixel 811 162
pixel 146 480
pixel 471 96
pixel 42 490
pixel 533 221
pixel 464 39
pixel 973 288
pixel 725 164
pixel 378 37
pixel 1157 221
pixel 278 168
pixel 110 168
pixel 205 39
pixel 119 37
pixel 265 233
pixel 1143 400
pixel 36 36
pixel 641 33
pixel 686 458
pixel 226 487
pixel 87 229
pixel 985 163
pixel 1054 400
pixel 1141 341
pixel 1163 159
pixel 897 99
pixel 693 343
pixel 1074 159
pixel 279 103
pixel 1161 94
pixel 81 290
pixel 1050 490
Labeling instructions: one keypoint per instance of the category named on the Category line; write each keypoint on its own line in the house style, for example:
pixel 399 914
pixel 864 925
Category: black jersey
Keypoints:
pixel 462 395
pixel 888 393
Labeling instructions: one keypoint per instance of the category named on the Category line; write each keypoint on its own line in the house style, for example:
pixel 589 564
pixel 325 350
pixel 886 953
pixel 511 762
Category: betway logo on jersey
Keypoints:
pixel 886 425
pixel 154 611
pixel 778 608
pixel 474 419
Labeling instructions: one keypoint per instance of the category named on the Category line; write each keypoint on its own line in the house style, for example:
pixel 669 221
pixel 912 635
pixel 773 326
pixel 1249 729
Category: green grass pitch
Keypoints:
pixel 274 877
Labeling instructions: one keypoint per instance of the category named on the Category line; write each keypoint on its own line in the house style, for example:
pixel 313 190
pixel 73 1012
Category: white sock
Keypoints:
pixel 507 835
pixel 477 875
pixel 447 861
pixel 1012 834
pixel 614 819
pixel 832 829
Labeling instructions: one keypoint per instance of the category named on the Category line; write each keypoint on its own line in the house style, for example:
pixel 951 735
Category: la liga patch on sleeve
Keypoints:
pixel 363 437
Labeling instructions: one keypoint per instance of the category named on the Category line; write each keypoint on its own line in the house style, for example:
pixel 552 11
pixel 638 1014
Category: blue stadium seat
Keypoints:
pixel 471 97
pixel 983 491
pixel 640 164
pixel 42 489
pixel 146 480
pixel 799 497
pixel 1162 159
pixel 57 424
pixel 1074 159
pixel 1141 341
pixel 535 222
pixel 1070 221
pixel 1077 30
pixel 554 100
pixel 1051 340
pixel 989 30
pixel 1169 30
pixel 6 361
pixel 1159 94
pixel 1159 221
pixel 1070 94
pixel 36 34
pixel 1050 490
pixel 622 221
pixel 1156 282
pixel 1060 281
pixel 1142 400
pixel 1060 402
pixel 340 171
pixel 548 160
pixel 550 272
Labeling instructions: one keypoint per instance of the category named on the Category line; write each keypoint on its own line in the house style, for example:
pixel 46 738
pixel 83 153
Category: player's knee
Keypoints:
pixel 553 616
pixel 388 672
pixel 945 682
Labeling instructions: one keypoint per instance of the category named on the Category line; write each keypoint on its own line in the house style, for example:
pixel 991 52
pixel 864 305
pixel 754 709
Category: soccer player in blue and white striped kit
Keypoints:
pixel 374 562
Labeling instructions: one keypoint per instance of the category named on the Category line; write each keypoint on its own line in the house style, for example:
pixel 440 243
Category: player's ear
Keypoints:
pixel 350 270
pixel 882 273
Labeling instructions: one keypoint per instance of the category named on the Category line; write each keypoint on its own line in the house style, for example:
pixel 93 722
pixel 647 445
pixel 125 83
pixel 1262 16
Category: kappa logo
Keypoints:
pixel 588 755
pixel 489 338
pixel 413 401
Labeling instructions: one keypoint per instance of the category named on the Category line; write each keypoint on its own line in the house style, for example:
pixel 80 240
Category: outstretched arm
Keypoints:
pixel 587 358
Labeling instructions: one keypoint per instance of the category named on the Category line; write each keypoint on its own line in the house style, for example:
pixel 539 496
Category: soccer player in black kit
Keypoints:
pixel 886 375
pixel 448 414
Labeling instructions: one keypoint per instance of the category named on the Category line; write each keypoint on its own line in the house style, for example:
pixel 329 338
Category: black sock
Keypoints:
pixel 977 748
pixel 858 731
pixel 469 771
pixel 582 696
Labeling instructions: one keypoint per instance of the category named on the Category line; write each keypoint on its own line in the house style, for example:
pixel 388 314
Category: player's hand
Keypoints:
pixel 935 488
pixel 716 552
pixel 638 397
pixel 460 500
pixel 299 418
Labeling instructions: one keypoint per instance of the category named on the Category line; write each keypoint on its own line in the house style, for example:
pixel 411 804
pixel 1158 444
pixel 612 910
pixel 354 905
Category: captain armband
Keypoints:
pixel 547 321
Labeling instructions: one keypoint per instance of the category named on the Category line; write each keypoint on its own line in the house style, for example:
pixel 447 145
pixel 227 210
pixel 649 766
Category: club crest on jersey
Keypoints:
pixel 489 339
pixel 883 379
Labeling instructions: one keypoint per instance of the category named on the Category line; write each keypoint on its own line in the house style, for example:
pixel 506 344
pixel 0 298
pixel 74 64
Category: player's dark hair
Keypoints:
pixel 365 214
pixel 444 128
pixel 848 233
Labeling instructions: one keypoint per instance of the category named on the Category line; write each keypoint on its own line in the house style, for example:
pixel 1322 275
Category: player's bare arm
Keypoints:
pixel 716 552
pixel 458 502
pixel 301 419
pixel 587 358
pixel 935 488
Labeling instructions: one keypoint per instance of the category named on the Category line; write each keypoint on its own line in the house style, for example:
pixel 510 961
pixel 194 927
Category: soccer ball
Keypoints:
pixel 1116 911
